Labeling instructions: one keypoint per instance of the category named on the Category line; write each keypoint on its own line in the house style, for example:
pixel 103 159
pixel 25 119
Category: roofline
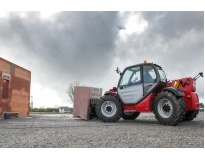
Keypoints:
pixel 15 64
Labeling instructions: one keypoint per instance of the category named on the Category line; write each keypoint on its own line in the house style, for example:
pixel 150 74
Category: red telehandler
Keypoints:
pixel 144 88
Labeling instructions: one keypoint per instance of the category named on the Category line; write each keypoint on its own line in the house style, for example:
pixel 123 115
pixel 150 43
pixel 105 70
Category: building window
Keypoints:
pixel 12 67
pixel 5 91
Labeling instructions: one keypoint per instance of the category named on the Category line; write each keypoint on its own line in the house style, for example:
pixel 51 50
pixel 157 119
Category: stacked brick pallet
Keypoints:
pixel 83 99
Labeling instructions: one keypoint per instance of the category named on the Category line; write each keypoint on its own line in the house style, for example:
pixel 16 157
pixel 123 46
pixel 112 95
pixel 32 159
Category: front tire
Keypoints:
pixel 169 109
pixel 109 109
pixel 130 116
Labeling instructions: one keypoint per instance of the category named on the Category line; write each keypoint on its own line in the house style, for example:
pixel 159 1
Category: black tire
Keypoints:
pixel 190 115
pixel 109 109
pixel 130 116
pixel 169 109
pixel 92 112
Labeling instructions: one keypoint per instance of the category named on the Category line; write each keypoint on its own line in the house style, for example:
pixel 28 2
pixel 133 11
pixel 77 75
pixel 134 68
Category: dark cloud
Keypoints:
pixel 172 37
pixel 174 24
pixel 85 46
pixel 71 46
pixel 77 43
pixel 174 40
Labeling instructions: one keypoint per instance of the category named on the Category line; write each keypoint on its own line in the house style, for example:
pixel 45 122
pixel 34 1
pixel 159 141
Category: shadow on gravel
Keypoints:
pixel 148 122
pixel 137 121
pixel 127 122
pixel 196 124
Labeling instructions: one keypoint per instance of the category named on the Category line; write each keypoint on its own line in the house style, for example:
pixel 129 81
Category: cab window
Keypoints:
pixel 149 74
pixel 131 76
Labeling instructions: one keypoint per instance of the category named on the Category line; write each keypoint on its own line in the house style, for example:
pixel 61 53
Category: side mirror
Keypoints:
pixel 118 71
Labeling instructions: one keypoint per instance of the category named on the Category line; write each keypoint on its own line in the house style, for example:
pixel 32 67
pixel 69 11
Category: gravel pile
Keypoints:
pixel 64 131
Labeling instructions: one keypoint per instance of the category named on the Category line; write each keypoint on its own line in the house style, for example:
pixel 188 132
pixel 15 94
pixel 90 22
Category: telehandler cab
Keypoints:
pixel 144 88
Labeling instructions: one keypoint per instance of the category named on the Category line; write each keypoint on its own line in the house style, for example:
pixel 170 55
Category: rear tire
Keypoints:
pixel 190 115
pixel 169 109
pixel 130 116
pixel 109 109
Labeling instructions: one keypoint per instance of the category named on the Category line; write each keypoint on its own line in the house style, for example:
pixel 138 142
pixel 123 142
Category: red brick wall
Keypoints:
pixel 16 98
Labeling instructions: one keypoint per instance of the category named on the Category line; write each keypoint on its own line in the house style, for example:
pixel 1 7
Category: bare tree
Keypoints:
pixel 70 90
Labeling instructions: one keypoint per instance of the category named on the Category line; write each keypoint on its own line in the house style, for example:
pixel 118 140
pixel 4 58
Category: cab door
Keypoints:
pixel 130 86
pixel 149 79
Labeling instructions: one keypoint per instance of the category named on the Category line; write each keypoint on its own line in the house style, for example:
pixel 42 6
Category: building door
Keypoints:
pixel 5 90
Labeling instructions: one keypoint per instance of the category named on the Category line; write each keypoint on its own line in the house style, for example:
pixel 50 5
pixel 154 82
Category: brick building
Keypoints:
pixel 14 89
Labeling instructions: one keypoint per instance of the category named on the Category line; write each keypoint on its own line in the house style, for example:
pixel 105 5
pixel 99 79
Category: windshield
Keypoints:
pixel 163 77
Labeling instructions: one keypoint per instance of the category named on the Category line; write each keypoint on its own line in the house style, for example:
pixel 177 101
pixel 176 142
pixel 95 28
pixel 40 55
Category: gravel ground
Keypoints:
pixel 64 131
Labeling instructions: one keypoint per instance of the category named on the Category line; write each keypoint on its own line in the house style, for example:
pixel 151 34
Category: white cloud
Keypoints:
pixel 4 14
pixel 47 15
pixel 133 23
pixel 45 97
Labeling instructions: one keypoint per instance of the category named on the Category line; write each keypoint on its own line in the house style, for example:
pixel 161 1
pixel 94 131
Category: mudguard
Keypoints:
pixel 175 91
pixel 110 93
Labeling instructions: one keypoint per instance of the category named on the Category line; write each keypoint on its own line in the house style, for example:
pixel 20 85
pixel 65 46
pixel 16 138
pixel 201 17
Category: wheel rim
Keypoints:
pixel 108 108
pixel 165 108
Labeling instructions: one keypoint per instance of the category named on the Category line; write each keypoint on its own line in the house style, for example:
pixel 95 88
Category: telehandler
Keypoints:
pixel 144 88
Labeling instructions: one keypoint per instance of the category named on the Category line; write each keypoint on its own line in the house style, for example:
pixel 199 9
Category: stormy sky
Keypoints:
pixel 88 47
